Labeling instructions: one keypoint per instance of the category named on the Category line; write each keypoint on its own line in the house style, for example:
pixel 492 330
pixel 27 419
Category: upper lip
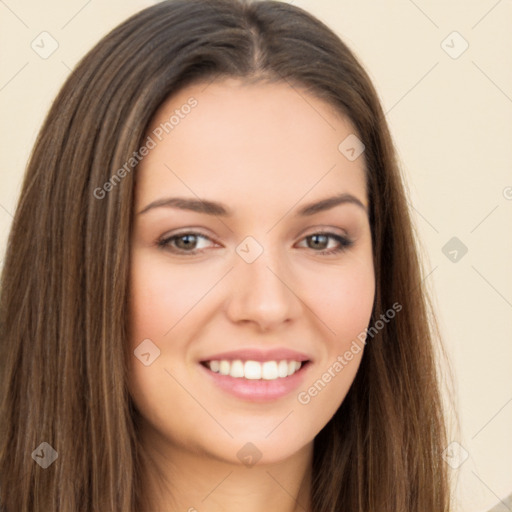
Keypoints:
pixel 251 354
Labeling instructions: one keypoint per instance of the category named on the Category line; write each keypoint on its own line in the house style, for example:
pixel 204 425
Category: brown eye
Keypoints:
pixel 319 242
pixel 183 243
pixel 186 242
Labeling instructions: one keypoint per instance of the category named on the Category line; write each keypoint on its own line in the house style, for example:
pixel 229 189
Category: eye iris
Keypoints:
pixel 319 241
pixel 190 241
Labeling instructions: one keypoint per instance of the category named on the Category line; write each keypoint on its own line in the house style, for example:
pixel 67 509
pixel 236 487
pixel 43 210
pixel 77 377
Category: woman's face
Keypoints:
pixel 244 267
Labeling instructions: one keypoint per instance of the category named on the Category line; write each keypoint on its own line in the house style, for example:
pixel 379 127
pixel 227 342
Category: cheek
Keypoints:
pixel 345 307
pixel 343 299
pixel 161 296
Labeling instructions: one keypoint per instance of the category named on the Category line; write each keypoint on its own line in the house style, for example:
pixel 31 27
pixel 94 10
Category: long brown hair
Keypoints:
pixel 63 309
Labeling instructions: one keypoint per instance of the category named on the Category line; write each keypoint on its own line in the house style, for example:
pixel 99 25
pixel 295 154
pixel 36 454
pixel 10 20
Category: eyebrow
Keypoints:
pixel 218 209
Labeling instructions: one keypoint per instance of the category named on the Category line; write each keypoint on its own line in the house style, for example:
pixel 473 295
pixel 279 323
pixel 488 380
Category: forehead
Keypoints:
pixel 249 142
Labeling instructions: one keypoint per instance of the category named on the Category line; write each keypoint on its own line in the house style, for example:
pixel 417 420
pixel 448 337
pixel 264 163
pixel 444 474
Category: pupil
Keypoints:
pixel 316 241
pixel 186 241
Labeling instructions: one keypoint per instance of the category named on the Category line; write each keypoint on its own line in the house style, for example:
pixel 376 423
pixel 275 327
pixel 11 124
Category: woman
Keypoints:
pixel 211 297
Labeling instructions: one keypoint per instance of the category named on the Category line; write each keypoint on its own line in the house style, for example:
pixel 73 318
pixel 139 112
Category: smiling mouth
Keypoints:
pixel 255 370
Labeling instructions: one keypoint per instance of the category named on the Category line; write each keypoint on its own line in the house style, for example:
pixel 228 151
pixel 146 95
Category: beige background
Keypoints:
pixel 451 121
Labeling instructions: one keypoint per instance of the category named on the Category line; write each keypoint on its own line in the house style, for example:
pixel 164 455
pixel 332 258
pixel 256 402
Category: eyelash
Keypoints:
pixel 344 243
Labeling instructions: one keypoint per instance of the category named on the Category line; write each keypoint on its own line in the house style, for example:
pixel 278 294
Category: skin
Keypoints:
pixel 264 150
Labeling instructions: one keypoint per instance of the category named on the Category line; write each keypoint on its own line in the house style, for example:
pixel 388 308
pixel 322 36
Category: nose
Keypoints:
pixel 263 293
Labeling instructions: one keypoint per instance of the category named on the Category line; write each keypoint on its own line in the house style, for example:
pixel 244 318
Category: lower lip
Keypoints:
pixel 258 390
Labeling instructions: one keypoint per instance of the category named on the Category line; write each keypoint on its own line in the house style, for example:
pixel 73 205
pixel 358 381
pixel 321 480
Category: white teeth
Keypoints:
pixel 237 369
pixel 282 369
pixel 224 367
pixel 269 370
pixel 252 370
pixel 255 370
